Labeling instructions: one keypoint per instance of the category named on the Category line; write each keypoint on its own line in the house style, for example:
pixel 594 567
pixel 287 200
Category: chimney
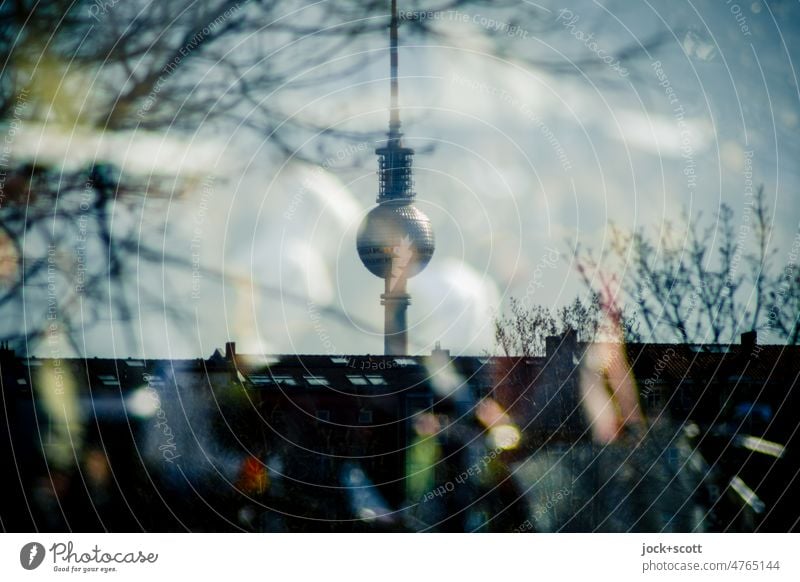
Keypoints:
pixel 6 353
pixel 230 351
pixel 438 352
pixel 749 340
pixel 564 344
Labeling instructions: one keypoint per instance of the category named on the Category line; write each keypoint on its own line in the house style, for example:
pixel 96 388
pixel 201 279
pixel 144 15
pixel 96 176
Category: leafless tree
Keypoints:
pixel 698 283
pixel 524 329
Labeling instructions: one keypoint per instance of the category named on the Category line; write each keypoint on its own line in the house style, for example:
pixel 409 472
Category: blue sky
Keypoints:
pixel 515 163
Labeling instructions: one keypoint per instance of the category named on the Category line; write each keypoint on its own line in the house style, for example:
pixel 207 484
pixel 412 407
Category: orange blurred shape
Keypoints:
pixel 96 465
pixel 427 424
pixel 609 394
pixel 9 260
pixel 253 477
pixel 489 412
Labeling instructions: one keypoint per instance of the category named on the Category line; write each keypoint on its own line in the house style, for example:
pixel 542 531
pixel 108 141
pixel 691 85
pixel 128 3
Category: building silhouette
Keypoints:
pixel 362 443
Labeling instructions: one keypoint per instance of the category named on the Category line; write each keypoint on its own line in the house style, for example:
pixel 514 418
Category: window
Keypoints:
pixel 284 380
pixel 316 380
pixel 405 362
pixel 365 416
pixel 340 360
pixel 108 380
pixel 376 380
pixel 260 379
pixel 22 381
pixel 270 379
pixel 154 381
pixel 323 414
pixel 710 348
pixel 135 363
pixel 357 380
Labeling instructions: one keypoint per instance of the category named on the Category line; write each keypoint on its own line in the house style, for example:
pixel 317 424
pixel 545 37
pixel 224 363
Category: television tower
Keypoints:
pixel 395 240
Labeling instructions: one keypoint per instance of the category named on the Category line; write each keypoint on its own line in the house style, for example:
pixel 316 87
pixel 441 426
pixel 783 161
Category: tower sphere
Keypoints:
pixel 395 234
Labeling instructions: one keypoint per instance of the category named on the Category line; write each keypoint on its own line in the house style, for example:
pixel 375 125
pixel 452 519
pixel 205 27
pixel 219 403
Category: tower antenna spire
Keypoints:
pixel 394 116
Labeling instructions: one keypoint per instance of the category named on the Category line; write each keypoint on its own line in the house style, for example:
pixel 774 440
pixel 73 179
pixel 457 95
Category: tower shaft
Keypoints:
pixel 395 183
pixel 395 303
